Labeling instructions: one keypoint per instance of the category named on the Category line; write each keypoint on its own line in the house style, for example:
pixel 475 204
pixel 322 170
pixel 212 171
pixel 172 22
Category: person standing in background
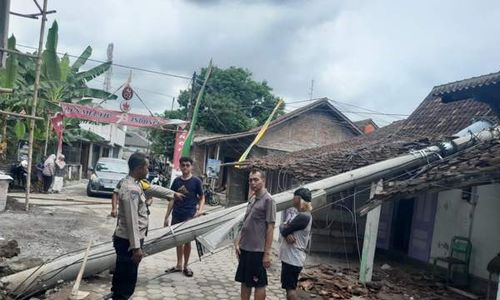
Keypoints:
pixel 48 172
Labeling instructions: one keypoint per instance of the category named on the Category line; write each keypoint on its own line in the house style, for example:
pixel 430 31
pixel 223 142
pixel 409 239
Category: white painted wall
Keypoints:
pixel 452 219
pixel 457 217
pixel 109 132
pixel 485 228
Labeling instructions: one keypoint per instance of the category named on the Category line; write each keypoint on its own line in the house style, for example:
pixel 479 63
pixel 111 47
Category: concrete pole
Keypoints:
pixel 32 281
pixel 34 102
pixel 4 28
pixel 370 238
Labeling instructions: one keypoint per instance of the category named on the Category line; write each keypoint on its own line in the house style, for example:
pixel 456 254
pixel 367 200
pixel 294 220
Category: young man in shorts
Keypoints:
pixel 253 245
pixel 190 207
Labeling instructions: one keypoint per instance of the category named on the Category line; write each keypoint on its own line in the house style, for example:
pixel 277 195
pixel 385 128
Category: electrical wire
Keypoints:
pixel 116 64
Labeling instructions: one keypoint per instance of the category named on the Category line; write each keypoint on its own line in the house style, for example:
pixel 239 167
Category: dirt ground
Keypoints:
pixel 57 224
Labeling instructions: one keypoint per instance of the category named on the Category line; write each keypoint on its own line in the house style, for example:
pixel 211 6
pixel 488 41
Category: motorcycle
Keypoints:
pixel 210 196
pixel 19 172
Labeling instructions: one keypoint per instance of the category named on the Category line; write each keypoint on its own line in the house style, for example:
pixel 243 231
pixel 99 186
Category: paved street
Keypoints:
pixel 213 276
pixel 213 279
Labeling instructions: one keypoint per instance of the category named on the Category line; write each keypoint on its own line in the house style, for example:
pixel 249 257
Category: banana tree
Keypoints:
pixel 8 77
pixel 60 81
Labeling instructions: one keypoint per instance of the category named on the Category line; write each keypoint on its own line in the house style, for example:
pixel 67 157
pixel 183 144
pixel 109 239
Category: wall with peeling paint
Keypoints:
pixel 458 217
pixel 485 229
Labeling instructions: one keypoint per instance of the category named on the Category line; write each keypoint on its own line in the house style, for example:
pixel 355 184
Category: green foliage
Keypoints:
pixel 163 140
pixel 233 101
pixel 51 69
pixel 59 82
pixel 82 59
pixel 20 129
pixel 10 66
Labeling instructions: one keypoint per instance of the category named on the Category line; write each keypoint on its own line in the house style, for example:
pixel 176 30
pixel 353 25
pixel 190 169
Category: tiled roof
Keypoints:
pixel 430 122
pixel 474 82
pixel 317 163
pixel 322 102
pixel 365 122
pixel 135 139
pixel 477 165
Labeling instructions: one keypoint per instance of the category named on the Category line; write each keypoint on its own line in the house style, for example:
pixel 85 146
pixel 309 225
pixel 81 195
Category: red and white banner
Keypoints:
pixel 57 124
pixel 100 115
pixel 180 138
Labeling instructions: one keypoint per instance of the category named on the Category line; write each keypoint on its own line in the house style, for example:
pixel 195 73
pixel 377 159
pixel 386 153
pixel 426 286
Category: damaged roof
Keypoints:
pixel 432 121
pixel 473 166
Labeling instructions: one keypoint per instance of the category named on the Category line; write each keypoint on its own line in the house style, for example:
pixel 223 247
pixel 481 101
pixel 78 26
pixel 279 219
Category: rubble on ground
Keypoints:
pixel 9 248
pixel 342 283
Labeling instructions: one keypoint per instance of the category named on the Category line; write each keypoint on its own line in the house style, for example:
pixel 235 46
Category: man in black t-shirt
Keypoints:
pixel 190 207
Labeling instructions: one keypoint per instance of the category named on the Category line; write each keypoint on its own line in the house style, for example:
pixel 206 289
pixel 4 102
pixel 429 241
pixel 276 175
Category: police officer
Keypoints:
pixel 132 226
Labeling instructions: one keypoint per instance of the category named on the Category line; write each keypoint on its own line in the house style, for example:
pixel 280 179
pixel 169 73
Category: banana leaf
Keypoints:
pixel 11 65
pixel 20 129
pixel 50 65
pixel 95 93
pixel 80 61
pixel 65 68
pixel 94 72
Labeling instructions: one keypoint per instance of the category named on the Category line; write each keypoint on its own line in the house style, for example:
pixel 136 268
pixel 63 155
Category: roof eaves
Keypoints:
pixel 470 83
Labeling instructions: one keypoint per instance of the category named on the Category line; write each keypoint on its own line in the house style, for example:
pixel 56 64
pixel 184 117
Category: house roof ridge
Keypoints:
pixel 288 116
pixel 486 79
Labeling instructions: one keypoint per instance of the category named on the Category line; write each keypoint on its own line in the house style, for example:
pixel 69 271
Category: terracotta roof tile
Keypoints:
pixel 476 165
pixel 474 82
pixel 430 122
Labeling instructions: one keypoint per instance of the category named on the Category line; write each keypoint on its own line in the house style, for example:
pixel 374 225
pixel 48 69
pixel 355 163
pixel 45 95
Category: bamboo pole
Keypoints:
pixel 33 104
pixel 6 90
pixel 8 113
pixel 75 294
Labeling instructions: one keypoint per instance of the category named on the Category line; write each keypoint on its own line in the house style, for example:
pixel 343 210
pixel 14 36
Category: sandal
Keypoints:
pixel 173 270
pixel 188 272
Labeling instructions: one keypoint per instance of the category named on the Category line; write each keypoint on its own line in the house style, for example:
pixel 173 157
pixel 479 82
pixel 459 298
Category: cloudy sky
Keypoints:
pixel 377 55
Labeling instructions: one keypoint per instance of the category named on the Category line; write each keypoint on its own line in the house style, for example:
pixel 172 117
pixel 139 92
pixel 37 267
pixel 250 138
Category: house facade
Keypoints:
pixel 135 140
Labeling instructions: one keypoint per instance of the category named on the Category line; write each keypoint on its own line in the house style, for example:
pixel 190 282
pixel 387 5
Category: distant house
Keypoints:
pixel 94 141
pixel 367 125
pixel 316 124
pixel 135 140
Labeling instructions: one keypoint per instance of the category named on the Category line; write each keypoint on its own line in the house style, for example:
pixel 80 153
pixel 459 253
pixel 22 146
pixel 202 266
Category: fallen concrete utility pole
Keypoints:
pixel 101 258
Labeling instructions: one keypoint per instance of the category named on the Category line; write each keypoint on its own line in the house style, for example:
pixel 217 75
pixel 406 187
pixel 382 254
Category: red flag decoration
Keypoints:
pixel 180 138
pixel 57 124
pixel 71 110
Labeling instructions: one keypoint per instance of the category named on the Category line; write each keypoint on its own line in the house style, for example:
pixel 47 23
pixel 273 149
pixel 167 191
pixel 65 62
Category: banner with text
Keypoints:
pixel 101 115
pixel 180 138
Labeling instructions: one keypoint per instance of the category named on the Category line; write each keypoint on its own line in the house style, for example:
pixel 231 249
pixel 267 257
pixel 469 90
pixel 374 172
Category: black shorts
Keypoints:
pixel 289 276
pixel 251 271
pixel 181 218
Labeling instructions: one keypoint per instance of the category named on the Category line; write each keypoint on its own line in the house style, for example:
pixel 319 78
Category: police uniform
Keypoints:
pixel 131 229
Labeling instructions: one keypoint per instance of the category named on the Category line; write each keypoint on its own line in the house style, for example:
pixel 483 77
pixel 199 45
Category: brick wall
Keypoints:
pixel 198 155
pixel 312 129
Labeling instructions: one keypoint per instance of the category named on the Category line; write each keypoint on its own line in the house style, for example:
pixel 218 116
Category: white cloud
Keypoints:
pixel 383 55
